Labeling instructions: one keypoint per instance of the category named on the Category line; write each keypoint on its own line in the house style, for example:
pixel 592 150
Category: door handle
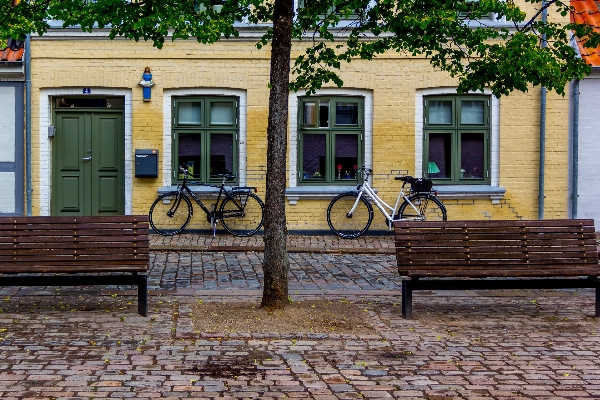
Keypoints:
pixel 86 158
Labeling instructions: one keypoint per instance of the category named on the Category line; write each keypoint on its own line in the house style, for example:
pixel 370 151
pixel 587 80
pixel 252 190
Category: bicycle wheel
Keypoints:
pixel 170 213
pixel 342 223
pixel 430 208
pixel 242 213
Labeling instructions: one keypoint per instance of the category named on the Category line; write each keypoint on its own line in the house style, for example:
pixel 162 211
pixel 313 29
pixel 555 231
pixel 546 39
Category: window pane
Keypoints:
pixel 309 114
pixel 439 162
pixel 346 113
pixel 472 155
pixel 471 112
pixel 222 114
pixel 313 156
pixel 440 112
pixel 190 113
pixel 346 156
pixel 323 114
pixel 189 153
pixel 221 154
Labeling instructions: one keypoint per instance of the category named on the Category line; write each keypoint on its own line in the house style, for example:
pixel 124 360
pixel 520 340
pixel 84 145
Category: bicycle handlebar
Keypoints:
pixel 407 178
pixel 366 172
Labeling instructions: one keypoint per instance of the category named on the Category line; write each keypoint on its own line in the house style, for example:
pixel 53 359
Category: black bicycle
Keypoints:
pixel 240 211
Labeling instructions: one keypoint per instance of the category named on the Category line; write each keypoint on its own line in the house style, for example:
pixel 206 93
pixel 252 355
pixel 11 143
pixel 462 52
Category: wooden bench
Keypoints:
pixel 73 251
pixel 547 254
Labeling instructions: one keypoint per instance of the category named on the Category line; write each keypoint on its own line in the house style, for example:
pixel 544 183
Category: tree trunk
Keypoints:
pixel 276 263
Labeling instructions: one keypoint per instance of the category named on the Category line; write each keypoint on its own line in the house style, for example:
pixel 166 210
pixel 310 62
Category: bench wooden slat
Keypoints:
pixel 75 219
pixel 489 235
pixel 65 268
pixel 112 258
pixel 513 273
pixel 90 232
pixel 123 240
pixel 72 250
pixel 495 224
pixel 8 247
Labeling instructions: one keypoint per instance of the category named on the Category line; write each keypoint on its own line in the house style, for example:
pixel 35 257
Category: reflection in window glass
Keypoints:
pixel 440 112
pixel 221 154
pixel 472 148
pixel 346 113
pixel 438 164
pixel 346 156
pixel 221 114
pixel 313 156
pixel 190 113
pixel 308 115
pixel 323 114
pixel 471 113
pixel 189 152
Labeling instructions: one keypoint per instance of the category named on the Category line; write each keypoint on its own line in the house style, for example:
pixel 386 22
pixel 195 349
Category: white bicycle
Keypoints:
pixel 350 214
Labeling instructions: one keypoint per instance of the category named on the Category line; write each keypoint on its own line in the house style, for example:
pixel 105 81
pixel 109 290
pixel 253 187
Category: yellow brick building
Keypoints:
pixel 391 105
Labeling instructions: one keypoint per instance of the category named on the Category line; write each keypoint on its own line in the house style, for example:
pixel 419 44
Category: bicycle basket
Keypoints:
pixel 421 185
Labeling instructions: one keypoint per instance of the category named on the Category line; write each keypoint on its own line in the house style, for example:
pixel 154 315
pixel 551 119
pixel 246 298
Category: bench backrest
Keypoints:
pixel 74 244
pixel 496 248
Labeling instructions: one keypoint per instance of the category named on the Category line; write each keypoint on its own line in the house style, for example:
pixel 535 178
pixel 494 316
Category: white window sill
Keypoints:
pixel 198 190
pixel 494 193
pixel 315 192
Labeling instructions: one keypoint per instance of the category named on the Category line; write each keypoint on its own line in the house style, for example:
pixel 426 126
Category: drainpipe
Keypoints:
pixel 575 193
pixel 28 189
pixel 542 128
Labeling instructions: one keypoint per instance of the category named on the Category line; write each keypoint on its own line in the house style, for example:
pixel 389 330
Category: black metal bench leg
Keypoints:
pixel 142 295
pixel 406 299
pixel 597 290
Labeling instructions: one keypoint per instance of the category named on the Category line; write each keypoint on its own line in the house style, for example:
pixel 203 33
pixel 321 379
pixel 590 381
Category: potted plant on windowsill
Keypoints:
pixel 217 5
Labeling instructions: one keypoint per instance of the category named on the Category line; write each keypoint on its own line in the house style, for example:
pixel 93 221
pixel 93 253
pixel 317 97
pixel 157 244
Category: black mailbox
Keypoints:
pixel 146 163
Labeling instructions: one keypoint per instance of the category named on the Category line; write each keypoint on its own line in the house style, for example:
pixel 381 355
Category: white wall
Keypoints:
pixel 7 149
pixel 588 203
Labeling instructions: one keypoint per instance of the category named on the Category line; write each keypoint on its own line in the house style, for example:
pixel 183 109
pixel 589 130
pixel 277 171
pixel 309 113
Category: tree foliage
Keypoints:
pixel 503 57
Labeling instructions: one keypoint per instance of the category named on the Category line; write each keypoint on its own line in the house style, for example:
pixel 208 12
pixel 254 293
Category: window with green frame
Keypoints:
pixel 205 137
pixel 472 5
pixel 457 139
pixel 330 139
pixel 360 12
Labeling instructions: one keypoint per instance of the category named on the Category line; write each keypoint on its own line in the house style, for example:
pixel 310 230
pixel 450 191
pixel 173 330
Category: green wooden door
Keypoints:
pixel 88 163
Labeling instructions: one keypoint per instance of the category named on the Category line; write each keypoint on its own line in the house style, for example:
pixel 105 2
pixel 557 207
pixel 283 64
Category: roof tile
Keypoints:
pixel 588 12
pixel 13 51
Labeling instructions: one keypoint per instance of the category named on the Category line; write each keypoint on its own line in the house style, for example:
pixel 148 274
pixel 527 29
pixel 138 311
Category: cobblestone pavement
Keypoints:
pixel 89 342
pixel 296 243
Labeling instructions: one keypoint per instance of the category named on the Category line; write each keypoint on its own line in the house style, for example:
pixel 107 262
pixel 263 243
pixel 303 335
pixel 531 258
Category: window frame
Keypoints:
pixel 466 15
pixel 331 132
pixel 456 130
pixel 354 16
pixel 205 129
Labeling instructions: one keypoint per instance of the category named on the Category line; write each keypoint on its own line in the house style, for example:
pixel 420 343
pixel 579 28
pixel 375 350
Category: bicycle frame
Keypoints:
pixel 388 211
pixel 212 215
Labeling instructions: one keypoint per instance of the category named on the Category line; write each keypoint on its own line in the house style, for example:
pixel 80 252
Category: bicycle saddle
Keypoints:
pixel 406 178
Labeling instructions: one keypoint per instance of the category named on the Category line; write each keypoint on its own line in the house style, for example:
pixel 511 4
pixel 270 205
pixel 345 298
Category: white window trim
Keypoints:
pixel 168 127
pixel 312 192
pixel 493 190
pixel 45 170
